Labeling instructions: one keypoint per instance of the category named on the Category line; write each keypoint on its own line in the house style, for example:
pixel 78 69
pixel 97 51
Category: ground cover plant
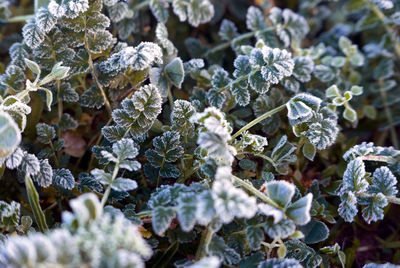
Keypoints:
pixel 199 133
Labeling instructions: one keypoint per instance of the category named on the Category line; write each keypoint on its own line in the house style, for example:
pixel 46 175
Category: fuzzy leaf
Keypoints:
pixel 161 219
pixel 254 19
pixel 354 176
pixel 10 135
pixel 384 182
pixel 44 177
pixel 63 178
pixel 280 263
pixel 227 30
pixel 187 210
pixel 92 98
pixel 373 211
pixel 33 35
pixel 348 206
pixel 175 72
pixel 123 185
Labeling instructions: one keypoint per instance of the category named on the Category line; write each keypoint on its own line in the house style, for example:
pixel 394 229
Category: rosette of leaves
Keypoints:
pixel 317 124
pixel 343 100
pixel 136 116
pixel 121 157
pixel 374 191
pixel 214 135
pixel 167 150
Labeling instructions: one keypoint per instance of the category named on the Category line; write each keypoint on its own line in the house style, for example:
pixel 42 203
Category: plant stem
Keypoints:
pixel 108 190
pixel 21 18
pixel 142 5
pixel 389 30
pixel 94 75
pixel 255 192
pixel 205 240
pixel 235 40
pixel 170 97
pixel 259 119
pixel 54 155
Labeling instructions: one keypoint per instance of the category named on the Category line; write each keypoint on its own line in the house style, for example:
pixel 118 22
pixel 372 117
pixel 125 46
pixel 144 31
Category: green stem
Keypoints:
pixel 255 192
pixel 22 18
pixel 33 198
pixel 391 199
pixel 236 39
pixel 170 97
pixel 94 75
pixel 108 190
pixel 258 120
pixel 54 155
pixel 142 5
pixel 205 240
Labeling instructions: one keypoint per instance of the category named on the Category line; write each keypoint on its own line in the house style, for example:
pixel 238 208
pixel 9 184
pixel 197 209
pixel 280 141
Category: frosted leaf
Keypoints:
pixel 123 185
pixel 92 98
pixel 281 192
pixel 227 30
pixel 63 178
pixel 254 19
pixel 159 8
pixel 199 12
pixel 220 249
pixel 384 4
pixel 44 177
pixel 45 20
pixel 187 210
pixel 141 57
pixel 33 35
pixel 174 72
pixel 125 149
pixel 15 159
pixel 354 177
pixel 348 206
pixel 299 211
pixel 301 107
pixel 384 182
pixel 303 67
pixel 278 64
pixel 230 202
pixel 180 117
pixel 162 38
pixel 46 133
pixel 280 263
pixel 140 111
pixel 56 9
pixel 373 210
pixel 30 165
pixel 162 218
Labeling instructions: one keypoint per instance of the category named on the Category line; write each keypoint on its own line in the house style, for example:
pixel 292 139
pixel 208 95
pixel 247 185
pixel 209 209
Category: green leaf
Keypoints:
pixel 227 30
pixel 33 198
pixel 309 151
pixel 33 66
pixel 301 107
pixel 255 235
pixel 175 72
pixel 45 20
pixel 281 192
pixel 348 206
pixel 283 229
pixel 314 232
pixel 350 114
pixel 299 211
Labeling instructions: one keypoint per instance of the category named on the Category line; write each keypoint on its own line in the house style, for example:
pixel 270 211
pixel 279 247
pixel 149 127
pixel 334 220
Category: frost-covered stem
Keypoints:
pixel 391 199
pixel 144 214
pixel 108 190
pixel 22 18
pixel 255 192
pixel 389 30
pixel 389 117
pixel 259 119
pixel 244 77
pixel 59 106
pixel 236 39
pixel 170 97
pixel 94 75
pixel 205 240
